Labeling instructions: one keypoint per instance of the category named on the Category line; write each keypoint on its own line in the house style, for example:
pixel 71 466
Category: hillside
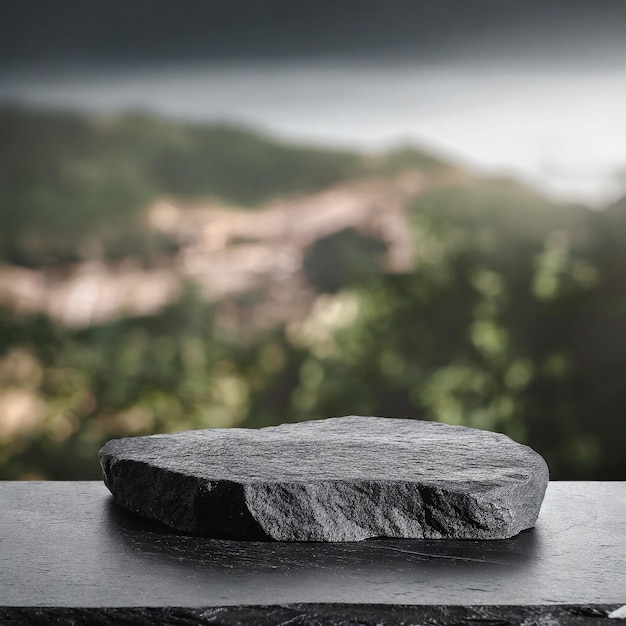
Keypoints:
pixel 70 185
pixel 108 218
pixel 157 277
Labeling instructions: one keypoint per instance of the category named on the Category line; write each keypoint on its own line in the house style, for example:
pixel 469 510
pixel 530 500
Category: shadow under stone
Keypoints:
pixel 153 540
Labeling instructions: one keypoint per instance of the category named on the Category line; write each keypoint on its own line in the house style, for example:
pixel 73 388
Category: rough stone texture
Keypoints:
pixel 339 479
pixel 316 615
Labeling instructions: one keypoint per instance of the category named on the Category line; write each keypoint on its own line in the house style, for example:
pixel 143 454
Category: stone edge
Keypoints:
pixel 318 613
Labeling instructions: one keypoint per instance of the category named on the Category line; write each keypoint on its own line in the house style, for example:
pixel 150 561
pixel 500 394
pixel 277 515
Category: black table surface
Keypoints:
pixel 65 544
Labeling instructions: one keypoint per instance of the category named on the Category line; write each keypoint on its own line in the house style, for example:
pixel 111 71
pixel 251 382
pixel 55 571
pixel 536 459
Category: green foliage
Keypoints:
pixel 342 259
pixel 246 168
pixel 517 326
pixel 513 320
pixel 60 182
pixel 66 180
pixel 136 376
pixel 73 187
pixel 409 157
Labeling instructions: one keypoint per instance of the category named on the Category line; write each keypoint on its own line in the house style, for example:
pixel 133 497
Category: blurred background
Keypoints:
pixel 242 213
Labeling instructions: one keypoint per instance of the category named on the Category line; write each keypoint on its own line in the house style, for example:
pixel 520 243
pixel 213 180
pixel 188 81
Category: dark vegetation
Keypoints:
pixel 513 320
pixel 66 180
pixel 338 261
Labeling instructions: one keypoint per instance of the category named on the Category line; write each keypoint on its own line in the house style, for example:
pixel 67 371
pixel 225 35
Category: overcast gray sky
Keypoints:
pixel 38 33
pixel 532 88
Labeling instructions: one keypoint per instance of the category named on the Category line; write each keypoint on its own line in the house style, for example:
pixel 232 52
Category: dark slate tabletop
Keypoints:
pixel 65 545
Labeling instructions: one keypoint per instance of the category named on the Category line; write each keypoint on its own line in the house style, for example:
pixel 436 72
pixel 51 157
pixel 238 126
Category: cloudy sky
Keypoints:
pixel 532 88
pixel 39 32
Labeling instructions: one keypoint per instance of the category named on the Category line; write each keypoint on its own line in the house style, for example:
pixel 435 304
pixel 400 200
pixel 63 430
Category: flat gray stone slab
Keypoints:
pixel 66 544
pixel 339 479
